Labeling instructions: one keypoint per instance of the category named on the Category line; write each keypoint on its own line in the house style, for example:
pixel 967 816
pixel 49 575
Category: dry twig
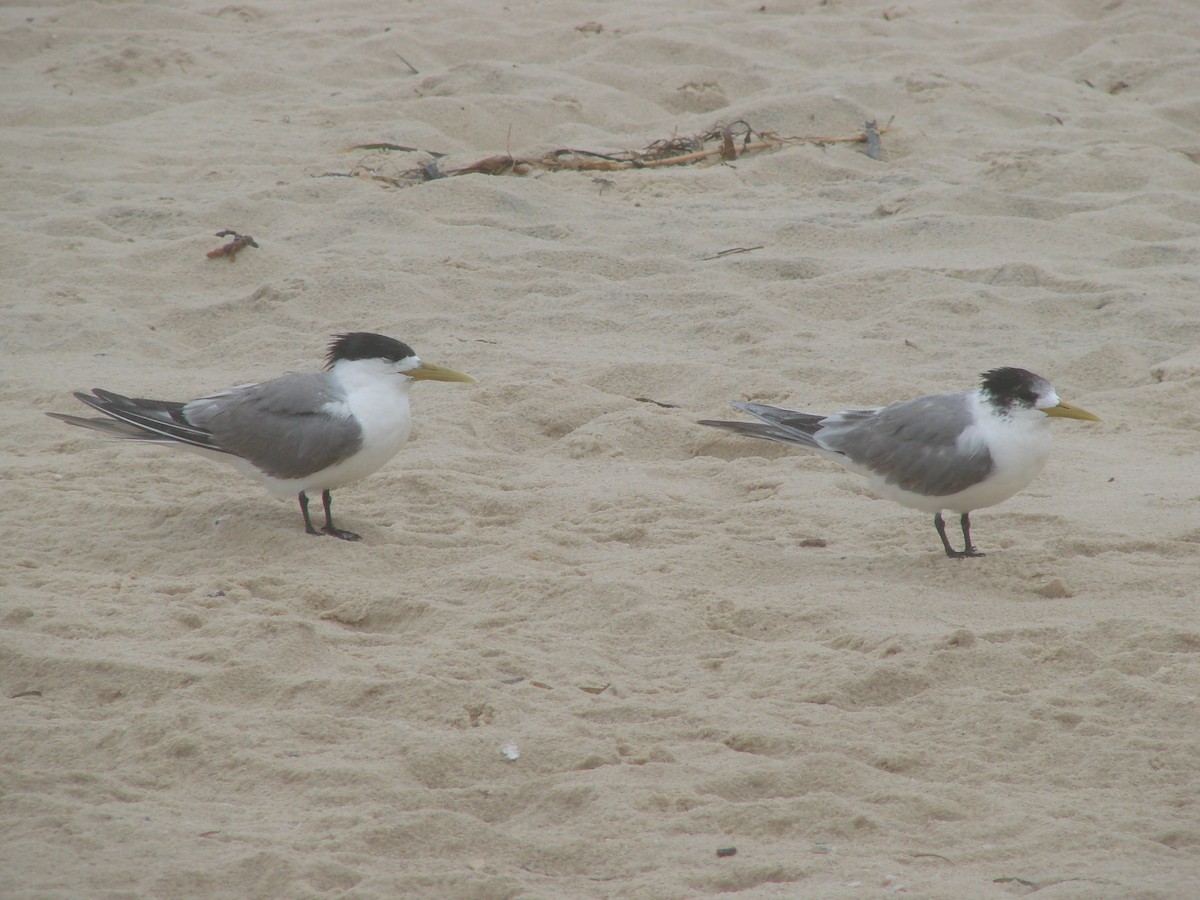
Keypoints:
pixel 724 143
pixel 730 252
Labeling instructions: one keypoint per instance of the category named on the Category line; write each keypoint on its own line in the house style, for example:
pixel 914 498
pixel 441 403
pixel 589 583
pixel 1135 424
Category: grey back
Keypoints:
pixel 282 426
pixel 912 444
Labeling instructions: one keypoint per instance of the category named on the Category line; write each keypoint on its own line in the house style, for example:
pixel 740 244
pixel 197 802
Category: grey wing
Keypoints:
pixel 784 426
pixel 139 419
pixel 288 427
pixel 913 444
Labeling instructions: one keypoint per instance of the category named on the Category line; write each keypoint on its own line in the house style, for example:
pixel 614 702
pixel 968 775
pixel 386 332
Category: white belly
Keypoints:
pixel 384 415
pixel 1019 449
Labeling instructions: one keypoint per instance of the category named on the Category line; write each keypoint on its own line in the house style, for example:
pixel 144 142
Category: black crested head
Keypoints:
pixel 365 345
pixel 1008 386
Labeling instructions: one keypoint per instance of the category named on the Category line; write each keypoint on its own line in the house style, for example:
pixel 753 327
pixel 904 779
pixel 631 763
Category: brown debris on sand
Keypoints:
pixel 721 143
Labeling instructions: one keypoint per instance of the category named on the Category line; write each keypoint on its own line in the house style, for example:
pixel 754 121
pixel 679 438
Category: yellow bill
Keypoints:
pixel 1067 411
pixel 430 372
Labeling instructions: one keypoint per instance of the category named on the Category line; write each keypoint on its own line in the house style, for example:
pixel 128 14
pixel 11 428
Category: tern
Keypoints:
pixel 298 433
pixel 960 452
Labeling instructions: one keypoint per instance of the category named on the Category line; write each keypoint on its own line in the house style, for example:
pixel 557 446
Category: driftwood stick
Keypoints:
pixel 675 151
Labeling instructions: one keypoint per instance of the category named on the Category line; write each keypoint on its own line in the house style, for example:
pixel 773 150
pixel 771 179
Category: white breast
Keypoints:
pixel 377 396
pixel 1019 446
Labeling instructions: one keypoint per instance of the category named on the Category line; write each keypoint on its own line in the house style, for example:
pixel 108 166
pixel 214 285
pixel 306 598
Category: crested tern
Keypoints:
pixel 960 452
pixel 300 432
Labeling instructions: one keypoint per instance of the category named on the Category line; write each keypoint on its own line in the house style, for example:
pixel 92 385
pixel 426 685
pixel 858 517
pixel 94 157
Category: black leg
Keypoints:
pixel 327 499
pixel 940 524
pixel 308 525
pixel 968 547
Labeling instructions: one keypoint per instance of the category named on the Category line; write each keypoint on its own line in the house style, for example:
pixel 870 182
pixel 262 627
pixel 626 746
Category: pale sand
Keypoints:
pixel 201 701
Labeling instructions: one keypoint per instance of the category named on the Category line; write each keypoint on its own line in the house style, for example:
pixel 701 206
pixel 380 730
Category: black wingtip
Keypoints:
pixel 106 396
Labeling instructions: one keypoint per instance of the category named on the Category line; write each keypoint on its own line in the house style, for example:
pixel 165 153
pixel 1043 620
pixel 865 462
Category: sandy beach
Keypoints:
pixel 587 648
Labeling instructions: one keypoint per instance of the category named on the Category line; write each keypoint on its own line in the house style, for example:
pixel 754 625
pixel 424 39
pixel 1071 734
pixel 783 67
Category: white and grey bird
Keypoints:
pixel 298 433
pixel 960 452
